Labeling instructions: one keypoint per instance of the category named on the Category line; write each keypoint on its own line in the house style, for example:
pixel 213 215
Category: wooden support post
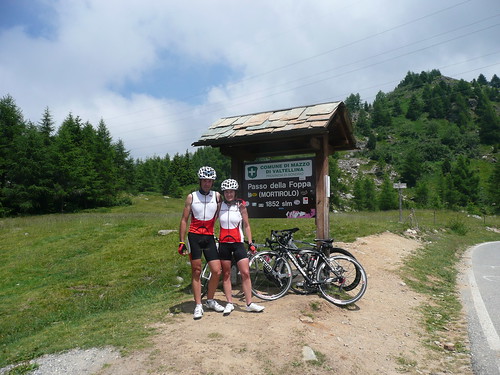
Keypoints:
pixel 237 170
pixel 322 200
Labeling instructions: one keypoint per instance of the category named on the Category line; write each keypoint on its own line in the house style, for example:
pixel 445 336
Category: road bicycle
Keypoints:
pixel 305 255
pixel 339 278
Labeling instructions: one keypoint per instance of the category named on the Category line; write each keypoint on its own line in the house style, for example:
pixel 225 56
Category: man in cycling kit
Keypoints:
pixel 233 219
pixel 202 207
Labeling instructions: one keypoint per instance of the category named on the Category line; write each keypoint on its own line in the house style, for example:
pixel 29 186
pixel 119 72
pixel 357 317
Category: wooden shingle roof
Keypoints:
pixel 285 131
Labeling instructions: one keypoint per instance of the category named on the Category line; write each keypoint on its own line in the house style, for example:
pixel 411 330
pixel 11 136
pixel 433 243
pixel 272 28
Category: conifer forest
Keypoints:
pixel 438 135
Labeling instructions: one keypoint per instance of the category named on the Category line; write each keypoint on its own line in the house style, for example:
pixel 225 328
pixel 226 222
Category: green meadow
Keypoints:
pixel 100 277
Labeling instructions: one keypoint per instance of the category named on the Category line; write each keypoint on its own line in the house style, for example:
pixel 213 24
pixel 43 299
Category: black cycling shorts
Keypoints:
pixel 199 243
pixel 229 249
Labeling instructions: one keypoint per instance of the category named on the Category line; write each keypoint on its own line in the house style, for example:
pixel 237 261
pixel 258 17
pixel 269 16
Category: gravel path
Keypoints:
pixel 73 362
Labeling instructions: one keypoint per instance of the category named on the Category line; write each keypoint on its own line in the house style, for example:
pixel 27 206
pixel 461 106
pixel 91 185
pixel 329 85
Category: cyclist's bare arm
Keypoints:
pixel 185 217
pixel 246 223
pixel 218 198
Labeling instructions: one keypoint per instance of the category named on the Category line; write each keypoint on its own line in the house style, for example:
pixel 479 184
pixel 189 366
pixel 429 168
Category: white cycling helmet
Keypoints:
pixel 207 173
pixel 229 184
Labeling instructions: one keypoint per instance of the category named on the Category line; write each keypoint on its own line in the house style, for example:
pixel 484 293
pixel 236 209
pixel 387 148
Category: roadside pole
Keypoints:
pixel 400 186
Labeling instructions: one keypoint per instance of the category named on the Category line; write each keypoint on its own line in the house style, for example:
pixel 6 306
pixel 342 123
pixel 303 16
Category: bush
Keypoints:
pixel 458 226
pixel 123 201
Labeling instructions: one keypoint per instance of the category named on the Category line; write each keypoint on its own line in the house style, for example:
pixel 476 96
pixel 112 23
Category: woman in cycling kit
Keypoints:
pixel 202 206
pixel 233 218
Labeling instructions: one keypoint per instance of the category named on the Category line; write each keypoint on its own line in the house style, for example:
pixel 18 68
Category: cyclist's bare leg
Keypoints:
pixel 215 269
pixel 195 280
pixel 226 280
pixel 246 283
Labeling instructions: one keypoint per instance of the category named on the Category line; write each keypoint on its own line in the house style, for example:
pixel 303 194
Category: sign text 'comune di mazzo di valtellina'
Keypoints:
pixel 280 189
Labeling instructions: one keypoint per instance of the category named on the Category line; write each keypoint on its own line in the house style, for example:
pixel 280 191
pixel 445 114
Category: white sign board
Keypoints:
pixel 280 189
pixel 300 169
pixel 399 185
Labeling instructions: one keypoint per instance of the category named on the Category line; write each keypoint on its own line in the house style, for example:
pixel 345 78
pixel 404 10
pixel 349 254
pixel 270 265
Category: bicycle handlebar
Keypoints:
pixel 284 236
pixel 284 232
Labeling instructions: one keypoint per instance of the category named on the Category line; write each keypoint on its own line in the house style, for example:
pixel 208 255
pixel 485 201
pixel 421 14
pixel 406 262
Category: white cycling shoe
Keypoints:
pixel 214 305
pixel 198 312
pixel 253 307
pixel 227 310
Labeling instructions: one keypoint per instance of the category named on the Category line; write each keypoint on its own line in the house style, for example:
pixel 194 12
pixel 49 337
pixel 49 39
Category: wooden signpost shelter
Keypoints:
pixel 319 129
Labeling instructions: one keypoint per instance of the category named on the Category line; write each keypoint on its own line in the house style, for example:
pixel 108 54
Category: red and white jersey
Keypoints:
pixel 203 213
pixel 231 229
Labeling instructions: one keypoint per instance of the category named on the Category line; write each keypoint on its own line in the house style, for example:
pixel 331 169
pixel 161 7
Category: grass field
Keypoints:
pixel 98 278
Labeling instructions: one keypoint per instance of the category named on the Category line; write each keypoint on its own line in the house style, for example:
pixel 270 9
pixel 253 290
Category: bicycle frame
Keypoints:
pixel 319 257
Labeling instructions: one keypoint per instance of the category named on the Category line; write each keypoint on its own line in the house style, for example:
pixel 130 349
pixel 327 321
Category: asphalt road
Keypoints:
pixel 481 296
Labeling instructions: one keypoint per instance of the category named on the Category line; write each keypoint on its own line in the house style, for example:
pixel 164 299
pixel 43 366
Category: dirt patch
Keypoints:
pixel 381 334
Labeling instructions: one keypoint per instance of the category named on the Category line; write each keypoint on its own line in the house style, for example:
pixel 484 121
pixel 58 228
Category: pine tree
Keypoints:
pixel 372 142
pixel 414 108
pixel 422 194
pixel 464 88
pixel 397 109
pixel 46 127
pixel 371 202
pixel 411 168
pixel 495 82
pixel 47 167
pixel 487 120
pixel 381 116
pixel 481 79
pixel 362 124
pixel 31 187
pixel 12 127
pixel 353 103
pixel 108 179
pixel 70 164
pixel 388 199
pixel 460 112
pixel 427 98
pixel 437 108
pixel 359 194
pixel 463 184
pixel 125 168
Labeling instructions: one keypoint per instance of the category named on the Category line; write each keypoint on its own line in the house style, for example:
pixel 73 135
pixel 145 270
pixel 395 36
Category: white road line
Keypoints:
pixel 484 318
pixel 494 279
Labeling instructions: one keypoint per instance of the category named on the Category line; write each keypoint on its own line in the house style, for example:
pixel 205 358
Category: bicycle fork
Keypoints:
pixel 337 270
pixel 309 274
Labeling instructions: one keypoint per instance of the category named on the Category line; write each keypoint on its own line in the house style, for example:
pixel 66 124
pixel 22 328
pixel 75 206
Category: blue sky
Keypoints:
pixel 159 72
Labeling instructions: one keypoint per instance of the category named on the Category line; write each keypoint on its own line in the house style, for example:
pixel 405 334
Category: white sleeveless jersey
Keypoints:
pixel 231 223
pixel 203 213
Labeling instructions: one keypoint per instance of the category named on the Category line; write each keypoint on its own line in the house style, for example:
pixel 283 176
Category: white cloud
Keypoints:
pixel 282 53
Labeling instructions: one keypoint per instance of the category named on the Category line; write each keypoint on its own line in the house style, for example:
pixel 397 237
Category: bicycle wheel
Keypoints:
pixel 300 286
pixel 339 250
pixel 270 274
pixel 205 278
pixel 334 276
pixel 353 281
